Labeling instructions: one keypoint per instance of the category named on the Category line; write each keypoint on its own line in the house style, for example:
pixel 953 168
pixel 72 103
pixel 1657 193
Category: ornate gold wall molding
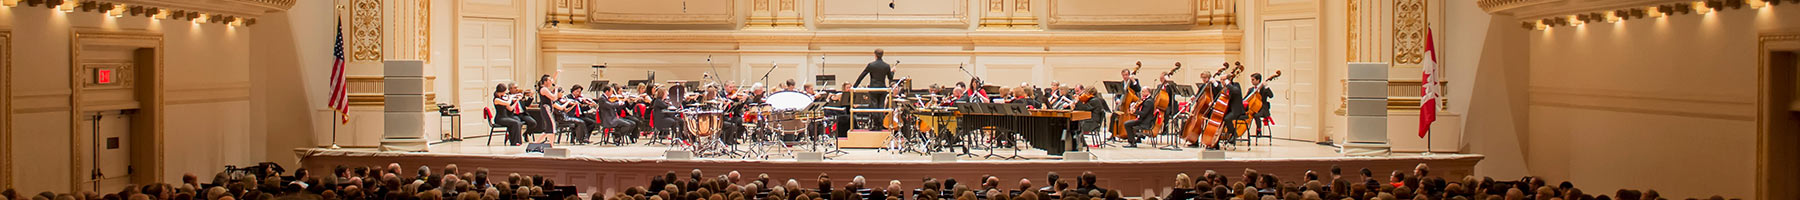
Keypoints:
pixel 1352 36
pixel 1409 31
pixel 1079 12
pixel 6 170
pixel 670 12
pixel 1501 5
pixel 365 30
pixel 942 13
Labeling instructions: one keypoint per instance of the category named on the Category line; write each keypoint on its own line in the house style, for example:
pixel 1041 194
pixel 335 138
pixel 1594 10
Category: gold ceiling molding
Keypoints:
pixel 365 30
pixel 553 39
pixel 1409 31
pixel 242 8
pixel 1492 6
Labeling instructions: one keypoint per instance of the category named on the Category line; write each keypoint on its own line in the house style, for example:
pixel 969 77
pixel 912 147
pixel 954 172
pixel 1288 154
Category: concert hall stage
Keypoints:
pixel 606 168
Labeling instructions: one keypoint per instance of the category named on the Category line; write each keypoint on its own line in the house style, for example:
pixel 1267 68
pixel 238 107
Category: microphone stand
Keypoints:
pixel 715 69
pixel 765 76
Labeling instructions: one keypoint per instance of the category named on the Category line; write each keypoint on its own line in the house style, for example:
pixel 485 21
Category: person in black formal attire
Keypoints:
pixel 583 110
pixel 1234 99
pixel 1261 118
pixel 1147 110
pixel 879 75
pixel 609 116
pixel 1098 109
pixel 509 112
pixel 664 115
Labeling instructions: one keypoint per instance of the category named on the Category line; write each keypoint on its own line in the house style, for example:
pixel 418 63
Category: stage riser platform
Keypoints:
pixel 611 175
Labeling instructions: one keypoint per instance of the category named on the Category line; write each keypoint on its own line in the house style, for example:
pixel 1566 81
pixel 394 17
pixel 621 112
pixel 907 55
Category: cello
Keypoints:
pixel 1124 112
pixel 1220 103
pixel 1253 104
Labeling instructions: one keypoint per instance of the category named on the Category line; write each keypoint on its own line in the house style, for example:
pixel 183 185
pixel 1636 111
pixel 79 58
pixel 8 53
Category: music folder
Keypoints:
pixel 1114 87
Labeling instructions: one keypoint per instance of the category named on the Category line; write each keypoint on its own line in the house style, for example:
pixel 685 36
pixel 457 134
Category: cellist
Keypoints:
pixel 1147 110
pixel 1261 118
pixel 1235 100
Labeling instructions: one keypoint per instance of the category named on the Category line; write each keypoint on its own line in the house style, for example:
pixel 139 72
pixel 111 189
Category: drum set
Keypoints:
pixel 776 127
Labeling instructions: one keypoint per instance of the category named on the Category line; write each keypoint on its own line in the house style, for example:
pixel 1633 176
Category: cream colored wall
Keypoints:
pixel 291 66
pixel 208 83
pixel 1665 103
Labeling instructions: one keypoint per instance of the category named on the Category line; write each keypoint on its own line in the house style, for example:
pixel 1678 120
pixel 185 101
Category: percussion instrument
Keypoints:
pixel 788 100
pixel 703 123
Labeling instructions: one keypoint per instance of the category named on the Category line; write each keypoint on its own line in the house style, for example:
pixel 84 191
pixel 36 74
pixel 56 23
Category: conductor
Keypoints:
pixel 879 72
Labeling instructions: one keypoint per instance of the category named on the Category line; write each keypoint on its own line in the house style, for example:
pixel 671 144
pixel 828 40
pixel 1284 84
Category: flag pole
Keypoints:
pixel 335 119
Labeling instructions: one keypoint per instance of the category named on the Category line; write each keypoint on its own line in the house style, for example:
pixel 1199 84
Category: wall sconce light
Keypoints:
pixel 236 22
pixel 1577 20
pixel 1616 16
pixel 67 5
pixel 9 3
pixel 198 18
pixel 117 10
pixel 157 13
pixel 1705 7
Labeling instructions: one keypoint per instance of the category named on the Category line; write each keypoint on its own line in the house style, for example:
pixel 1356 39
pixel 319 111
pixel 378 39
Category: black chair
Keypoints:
pixel 487 114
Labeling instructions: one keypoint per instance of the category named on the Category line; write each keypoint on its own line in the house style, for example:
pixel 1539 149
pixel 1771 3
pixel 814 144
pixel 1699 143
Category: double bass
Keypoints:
pixel 1220 103
pixel 1163 96
pixel 1124 111
pixel 1202 101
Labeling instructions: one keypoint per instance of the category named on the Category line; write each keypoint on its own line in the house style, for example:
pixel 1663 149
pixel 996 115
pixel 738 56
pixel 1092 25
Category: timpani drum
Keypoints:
pixel 703 123
pixel 786 111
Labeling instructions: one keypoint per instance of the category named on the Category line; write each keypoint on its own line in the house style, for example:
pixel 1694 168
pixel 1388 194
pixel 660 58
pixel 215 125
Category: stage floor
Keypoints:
pixel 606 169
pixel 1262 150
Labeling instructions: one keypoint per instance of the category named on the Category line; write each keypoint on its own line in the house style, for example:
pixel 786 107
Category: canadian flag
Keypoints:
pixel 1428 109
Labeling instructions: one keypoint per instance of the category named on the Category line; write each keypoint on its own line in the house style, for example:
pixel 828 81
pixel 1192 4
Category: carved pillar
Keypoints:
pixel 1008 15
pixel 1022 17
pixel 1218 13
pixel 568 11
pixel 995 16
pixel 774 14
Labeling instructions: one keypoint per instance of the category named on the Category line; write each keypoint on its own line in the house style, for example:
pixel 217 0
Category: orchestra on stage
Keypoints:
pixel 714 118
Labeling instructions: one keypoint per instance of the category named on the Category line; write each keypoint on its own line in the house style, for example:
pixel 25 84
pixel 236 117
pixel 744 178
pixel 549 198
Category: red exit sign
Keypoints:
pixel 103 76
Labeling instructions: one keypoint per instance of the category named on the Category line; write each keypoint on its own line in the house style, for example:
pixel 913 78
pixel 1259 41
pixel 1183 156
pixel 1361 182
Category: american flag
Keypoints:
pixel 340 99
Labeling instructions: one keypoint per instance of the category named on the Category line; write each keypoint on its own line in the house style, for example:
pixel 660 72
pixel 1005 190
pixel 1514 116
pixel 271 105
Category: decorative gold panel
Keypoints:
pixel 424 31
pixel 1409 31
pixel 365 30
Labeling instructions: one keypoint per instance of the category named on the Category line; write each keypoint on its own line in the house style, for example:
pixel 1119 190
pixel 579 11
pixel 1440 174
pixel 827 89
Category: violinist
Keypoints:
pixel 509 112
pixel 609 117
pixel 582 109
pixel 1086 102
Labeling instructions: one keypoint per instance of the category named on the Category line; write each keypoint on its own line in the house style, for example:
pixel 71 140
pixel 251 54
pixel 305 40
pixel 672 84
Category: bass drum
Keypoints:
pixel 788 100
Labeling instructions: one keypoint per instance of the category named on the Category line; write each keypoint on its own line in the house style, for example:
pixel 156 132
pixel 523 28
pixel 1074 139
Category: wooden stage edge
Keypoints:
pixel 1153 177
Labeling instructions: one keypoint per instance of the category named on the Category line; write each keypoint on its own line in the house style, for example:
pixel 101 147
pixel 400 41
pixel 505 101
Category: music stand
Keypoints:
pixel 595 86
pixel 971 108
pixel 1014 109
pixel 1183 90
pixel 1114 87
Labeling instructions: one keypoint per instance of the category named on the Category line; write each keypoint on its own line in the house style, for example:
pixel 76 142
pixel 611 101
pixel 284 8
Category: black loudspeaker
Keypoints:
pixel 536 147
